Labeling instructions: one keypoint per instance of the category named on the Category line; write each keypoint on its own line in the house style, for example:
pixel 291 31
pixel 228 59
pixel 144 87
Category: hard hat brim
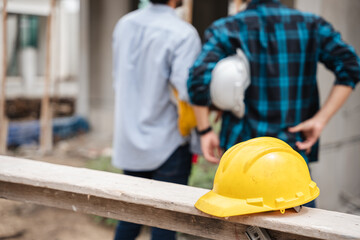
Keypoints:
pixel 220 206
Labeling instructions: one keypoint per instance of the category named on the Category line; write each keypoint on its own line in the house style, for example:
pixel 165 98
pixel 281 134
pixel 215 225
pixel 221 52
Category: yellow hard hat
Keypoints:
pixel 186 119
pixel 259 175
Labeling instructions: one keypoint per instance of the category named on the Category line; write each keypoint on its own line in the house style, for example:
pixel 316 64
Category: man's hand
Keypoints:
pixel 210 146
pixel 311 130
pixel 313 127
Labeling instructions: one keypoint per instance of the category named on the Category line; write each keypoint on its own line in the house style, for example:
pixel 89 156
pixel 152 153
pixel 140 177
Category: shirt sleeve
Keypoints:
pixel 115 51
pixel 184 56
pixel 200 74
pixel 338 56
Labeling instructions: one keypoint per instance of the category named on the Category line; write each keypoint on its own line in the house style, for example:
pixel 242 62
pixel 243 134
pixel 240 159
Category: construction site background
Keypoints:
pixel 82 78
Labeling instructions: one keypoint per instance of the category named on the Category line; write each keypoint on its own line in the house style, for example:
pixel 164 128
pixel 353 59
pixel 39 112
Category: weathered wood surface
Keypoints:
pixel 155 203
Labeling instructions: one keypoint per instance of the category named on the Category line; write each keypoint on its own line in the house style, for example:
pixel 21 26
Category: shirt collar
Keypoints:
pixel 161 8
pixel 254 3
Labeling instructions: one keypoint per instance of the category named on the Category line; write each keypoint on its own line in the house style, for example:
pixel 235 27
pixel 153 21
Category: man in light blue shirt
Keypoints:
pixel 152 50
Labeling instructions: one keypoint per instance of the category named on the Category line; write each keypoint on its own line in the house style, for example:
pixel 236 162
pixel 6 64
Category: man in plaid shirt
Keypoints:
pixel 283 47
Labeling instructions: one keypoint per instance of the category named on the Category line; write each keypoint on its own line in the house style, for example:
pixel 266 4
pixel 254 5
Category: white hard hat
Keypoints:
pixel 230 79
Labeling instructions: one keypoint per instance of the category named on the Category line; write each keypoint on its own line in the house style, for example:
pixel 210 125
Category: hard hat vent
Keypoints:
pixel 255 201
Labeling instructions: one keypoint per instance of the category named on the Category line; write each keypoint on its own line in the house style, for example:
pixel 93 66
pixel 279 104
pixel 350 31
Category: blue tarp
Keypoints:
pixel 28 132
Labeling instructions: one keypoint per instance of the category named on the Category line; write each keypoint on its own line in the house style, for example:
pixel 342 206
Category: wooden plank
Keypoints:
pixel 156 203
pixel 4 128
pixel 3 118
pixel 46 139
pixel 38 8
pixel 146 215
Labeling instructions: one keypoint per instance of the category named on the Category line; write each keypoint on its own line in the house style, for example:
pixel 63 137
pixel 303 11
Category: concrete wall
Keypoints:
pixel 337 172
pixel 102 19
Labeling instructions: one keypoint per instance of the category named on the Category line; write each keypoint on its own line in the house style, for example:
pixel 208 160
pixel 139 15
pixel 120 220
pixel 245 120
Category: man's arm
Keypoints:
pixel 184 56
pixel 342 60
pixel 199 92
pixel 313 127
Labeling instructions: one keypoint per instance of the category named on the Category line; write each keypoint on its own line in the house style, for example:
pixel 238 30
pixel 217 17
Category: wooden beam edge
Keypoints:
pixel 193 224
pixel 310 222
pixel 42 9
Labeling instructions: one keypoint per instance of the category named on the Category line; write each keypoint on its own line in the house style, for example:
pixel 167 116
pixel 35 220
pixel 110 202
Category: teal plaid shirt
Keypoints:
pixel 283 47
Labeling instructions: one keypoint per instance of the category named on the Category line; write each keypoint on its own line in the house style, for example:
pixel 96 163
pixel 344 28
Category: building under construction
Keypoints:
pixel 58 80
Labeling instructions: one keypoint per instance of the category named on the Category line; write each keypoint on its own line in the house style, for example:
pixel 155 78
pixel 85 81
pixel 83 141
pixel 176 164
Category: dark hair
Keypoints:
pixel 160 1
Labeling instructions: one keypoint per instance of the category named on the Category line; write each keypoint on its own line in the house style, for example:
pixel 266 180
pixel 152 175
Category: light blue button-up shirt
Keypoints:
pixel 152 49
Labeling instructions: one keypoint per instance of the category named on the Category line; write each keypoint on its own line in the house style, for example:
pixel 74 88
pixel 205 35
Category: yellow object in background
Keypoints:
pixel 186 119
pixel 259 175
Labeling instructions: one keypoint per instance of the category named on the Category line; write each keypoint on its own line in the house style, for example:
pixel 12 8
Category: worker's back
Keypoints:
pixel 145 44
pixel 283 47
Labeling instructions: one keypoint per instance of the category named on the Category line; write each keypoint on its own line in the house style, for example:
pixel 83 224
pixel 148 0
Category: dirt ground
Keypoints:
pixel 28 221
pixel 23 221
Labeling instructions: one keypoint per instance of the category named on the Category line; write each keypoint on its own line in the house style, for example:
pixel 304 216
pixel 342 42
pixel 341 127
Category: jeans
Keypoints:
pixel 311 204
pixel 176 169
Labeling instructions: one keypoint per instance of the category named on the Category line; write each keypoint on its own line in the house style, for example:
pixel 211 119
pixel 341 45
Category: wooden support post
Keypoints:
pixel 188 5
pixel 159 204
pixel 46 136
pixel 3 118
pixel 82 101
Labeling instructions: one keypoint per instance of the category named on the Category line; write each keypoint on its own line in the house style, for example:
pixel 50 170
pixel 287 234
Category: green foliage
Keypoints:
pixel 202 174
pixel 105 221
pixel 102 164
